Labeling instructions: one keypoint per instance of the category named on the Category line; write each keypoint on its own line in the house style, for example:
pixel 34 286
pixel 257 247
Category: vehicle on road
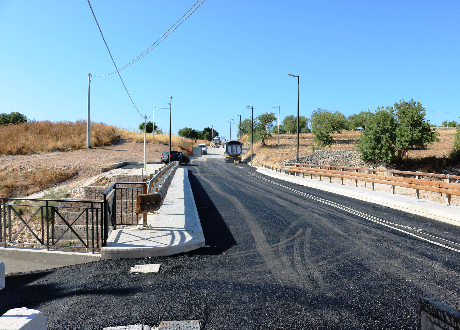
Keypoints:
pixel 203 147
pixel 233 151
pixel 215 143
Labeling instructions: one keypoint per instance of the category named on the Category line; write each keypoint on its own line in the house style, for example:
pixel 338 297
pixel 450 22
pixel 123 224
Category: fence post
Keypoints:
pixel 320 174
pixel 392 186
pixel 417 193
pixel 448 195
pixel 330 176
pixel 341 179
pixel 356 180
pixel 311 174
pixel 144 215
pixel 373 172
pixel 2 206
pixel 47 226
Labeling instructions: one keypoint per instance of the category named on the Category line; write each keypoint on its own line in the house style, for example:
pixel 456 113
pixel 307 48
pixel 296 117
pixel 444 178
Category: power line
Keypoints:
pixel 159 40
pixel 113 61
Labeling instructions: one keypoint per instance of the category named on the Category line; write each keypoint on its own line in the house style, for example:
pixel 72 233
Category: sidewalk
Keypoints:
pixel 449 214
pixel 174 229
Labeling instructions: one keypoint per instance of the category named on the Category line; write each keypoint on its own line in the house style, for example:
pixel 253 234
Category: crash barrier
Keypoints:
pixel 2 275
pixel 120 199
pixel 434 315
pixel 155 191
pixel 440 183
pixel 76 225
pixel 23 319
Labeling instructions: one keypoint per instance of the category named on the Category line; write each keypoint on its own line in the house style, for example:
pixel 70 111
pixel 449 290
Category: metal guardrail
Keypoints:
pixel 120 200
pixel 51 223
pixel 394 178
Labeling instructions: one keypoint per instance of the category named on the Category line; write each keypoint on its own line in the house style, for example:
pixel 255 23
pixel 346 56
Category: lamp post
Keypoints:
pixel 252 130
pixel 239 128
pixel 170 101
pixel 230 130
pixel 298 96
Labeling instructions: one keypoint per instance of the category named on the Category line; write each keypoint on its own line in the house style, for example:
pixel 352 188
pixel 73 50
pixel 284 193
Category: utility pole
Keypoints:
pixel 88 123
pixel 153 120
pixel 145 143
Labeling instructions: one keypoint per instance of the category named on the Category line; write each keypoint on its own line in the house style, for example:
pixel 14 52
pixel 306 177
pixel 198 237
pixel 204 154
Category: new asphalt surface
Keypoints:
pixel 278 255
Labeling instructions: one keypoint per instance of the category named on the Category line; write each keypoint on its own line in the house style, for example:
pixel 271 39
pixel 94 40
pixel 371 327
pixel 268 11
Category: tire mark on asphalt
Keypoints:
pixel 275 265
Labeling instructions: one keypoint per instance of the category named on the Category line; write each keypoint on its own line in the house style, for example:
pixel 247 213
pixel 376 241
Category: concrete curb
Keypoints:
pixel 448 214
pixel 52 258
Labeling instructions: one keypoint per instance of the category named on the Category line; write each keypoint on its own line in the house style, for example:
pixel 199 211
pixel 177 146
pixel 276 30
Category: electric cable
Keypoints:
pixel 159 40
pixel 113 61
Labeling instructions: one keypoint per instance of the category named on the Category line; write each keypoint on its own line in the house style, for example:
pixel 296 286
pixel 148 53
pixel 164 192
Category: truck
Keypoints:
pixel 215 143
pixel 233 151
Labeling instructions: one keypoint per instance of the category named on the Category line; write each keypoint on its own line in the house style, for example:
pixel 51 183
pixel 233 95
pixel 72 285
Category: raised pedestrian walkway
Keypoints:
pixel 174 229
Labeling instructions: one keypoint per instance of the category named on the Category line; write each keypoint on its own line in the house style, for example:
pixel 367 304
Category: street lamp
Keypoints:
pixel 230 129
pixel 252 130
pixel 298 95
pixel 239 128
pixel 170 101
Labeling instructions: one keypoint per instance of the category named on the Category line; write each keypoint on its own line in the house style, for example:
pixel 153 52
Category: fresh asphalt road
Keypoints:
pixel 278 256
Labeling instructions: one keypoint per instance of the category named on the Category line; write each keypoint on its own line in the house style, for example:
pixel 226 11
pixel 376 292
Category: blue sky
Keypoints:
pixel 350 55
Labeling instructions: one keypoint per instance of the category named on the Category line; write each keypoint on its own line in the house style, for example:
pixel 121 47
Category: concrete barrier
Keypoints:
pixel 23 319
pixel 2 275
pixel 437 316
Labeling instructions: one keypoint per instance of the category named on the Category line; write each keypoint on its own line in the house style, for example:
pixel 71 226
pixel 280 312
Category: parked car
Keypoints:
pixel 203 147
pixel 165 156
pixel 174 157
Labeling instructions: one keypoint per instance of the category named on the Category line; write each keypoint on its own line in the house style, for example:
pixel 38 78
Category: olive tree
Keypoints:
pixel 390 133
pixel 323 123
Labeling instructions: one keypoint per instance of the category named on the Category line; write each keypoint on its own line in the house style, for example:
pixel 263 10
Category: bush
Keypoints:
pixel 12 118
pixel 455 153
pixel 377 141
pixel 393 131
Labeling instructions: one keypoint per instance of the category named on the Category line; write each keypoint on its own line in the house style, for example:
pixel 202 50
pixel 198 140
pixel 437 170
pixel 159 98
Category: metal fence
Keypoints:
pixel 51 223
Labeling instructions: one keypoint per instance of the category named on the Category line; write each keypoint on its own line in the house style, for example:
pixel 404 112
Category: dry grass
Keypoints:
pixel 46 136
pixel 17 183
pixel 177 142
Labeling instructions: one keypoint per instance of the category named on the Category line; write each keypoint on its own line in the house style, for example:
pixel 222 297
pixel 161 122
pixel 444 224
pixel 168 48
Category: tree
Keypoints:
pixel 377 140
pixel 206 134
pixel 263 126
pixel 245 126
pixel 290 124
pixel 393 131
pixel 323 123
pixel 412 131
pixel 358 120
pixel 12 118
pixel 188 133
pixel 455 153
pixel 149 127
